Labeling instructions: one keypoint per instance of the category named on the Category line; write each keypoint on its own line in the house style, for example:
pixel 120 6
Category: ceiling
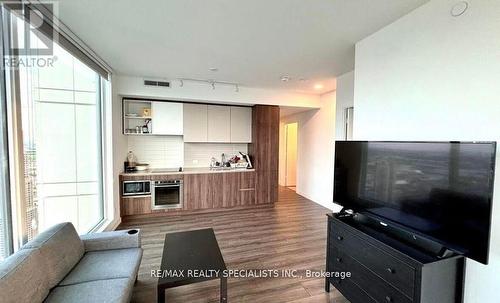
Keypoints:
pixel 253 43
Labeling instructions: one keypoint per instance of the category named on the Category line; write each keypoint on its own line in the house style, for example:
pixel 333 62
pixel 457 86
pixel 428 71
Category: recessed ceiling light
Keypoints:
pixel 459 8
pixel 213 69
pixel 318 86
pixel 285 78
pixel 302 79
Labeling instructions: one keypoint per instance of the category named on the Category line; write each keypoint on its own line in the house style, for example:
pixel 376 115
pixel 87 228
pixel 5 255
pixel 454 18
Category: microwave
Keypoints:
pixel 136 188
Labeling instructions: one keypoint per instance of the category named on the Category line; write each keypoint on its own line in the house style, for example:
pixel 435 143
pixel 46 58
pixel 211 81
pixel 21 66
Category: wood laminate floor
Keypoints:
pixel 291 234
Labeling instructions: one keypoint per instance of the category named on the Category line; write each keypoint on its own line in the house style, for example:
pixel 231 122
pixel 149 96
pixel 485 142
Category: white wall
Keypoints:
pixel 430 76
pixel 119 146
pixel 315 151
pixel 345 99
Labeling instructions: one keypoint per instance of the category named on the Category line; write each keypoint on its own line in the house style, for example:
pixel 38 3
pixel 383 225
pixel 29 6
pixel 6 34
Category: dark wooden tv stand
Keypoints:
pixel 384 269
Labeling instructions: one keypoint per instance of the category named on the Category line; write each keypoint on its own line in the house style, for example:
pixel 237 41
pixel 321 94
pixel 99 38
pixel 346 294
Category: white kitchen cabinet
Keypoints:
pixel 195 122
pixel 219 124
pixel 241 124
pixel 167 118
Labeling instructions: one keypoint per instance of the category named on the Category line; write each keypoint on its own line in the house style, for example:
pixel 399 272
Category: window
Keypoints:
pixel 61 120
pixel 60 105
pixel 5 230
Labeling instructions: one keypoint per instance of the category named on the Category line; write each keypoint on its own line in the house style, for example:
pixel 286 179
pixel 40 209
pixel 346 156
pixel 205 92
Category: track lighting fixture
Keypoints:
pixel 212 83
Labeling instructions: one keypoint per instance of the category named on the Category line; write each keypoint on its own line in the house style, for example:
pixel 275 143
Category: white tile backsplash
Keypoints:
pixel 171 151
pixel 158 151
pixel 199 154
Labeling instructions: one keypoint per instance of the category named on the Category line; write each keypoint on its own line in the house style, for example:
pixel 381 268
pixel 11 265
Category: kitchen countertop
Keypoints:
pixel 187 170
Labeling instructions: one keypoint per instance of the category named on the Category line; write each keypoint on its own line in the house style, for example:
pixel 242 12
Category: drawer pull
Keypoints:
pixel 390 270
pixel 339 260
pixel 388 299
pixel 340 238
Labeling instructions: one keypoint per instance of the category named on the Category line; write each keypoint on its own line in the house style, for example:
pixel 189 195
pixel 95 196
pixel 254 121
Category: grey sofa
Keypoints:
pixel 60 266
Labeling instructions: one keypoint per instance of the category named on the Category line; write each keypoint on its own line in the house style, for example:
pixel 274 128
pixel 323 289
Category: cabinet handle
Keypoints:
pixel 388 299
pixel 339 260
pixel 340 238
pixel 390 270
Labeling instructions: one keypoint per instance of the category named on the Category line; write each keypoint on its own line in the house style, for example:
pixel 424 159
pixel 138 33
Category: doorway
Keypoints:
pixel 291 155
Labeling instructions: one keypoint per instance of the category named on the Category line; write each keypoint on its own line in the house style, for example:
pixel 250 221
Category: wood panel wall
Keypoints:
pixel 264 150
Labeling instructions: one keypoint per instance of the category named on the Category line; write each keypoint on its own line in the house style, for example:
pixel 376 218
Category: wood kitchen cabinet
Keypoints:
pixel 135 206
pixel 196 192
pixel 219 124
pixel 231 190
pixel 219 190
pixel 247 188
pixel 195 122
pixel 241 124
pixel 202 191
pixel 239 189
pixel 167 118
pixel 265 151
pixel 215 190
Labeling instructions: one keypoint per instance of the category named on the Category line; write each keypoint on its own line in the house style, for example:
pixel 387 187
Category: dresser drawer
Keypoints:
pixel 399 274
pixel 351 291
pixel 372 284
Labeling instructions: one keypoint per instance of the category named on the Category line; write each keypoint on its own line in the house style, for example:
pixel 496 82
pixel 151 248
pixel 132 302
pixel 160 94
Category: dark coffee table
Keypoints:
pixel 191 251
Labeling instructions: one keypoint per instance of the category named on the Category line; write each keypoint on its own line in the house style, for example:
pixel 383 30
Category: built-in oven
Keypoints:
pixel 166 194
pixel 136 188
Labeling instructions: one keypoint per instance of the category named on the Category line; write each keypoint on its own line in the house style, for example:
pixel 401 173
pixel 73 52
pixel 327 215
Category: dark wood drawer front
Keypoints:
pixel 351 291
pixel 397 273
pixel 375 287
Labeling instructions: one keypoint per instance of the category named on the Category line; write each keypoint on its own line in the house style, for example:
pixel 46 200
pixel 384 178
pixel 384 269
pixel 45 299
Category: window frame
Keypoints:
pixel 5 197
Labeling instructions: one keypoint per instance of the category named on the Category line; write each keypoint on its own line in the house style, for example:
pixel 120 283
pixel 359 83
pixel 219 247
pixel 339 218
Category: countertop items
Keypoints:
pixel 193 170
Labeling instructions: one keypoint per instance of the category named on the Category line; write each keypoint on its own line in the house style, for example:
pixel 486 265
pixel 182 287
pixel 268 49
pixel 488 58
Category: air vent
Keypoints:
pixel 156 83
pixel 163 83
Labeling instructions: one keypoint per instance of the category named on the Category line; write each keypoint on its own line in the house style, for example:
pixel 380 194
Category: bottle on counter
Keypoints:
pixel 131 158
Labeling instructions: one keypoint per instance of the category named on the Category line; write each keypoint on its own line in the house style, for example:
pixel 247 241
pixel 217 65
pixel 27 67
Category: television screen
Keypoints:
pixel 441 190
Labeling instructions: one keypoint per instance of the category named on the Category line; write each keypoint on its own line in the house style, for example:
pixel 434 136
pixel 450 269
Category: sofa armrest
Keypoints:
pixel 112 240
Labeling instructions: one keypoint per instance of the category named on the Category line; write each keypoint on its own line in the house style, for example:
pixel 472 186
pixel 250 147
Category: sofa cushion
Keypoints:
pixel 61 249
pixel 22 277
pixel 103 291
pixel 105 264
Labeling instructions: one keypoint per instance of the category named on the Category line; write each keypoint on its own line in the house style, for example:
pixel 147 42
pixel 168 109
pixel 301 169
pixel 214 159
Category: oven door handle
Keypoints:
pixel 173 185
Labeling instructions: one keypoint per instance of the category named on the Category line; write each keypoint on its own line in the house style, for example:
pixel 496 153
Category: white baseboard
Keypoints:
pixel 330 205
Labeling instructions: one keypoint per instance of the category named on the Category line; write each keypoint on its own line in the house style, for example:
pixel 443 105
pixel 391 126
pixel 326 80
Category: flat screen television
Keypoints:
pixel 440 190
